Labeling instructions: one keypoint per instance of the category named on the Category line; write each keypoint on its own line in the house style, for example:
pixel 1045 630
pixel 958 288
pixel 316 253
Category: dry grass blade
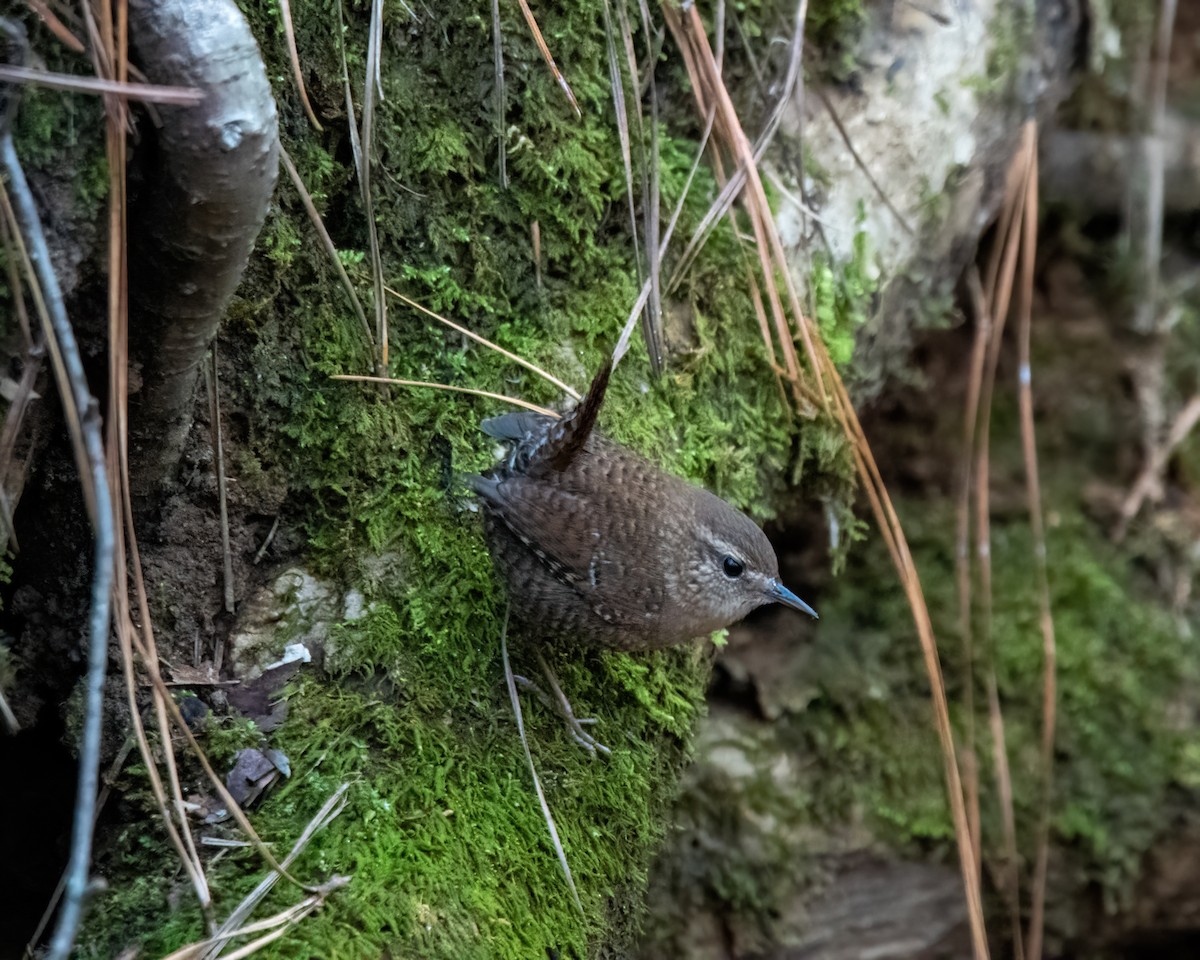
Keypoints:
pixel 647 288
pixel 88 450
pixel 192 867
pixel 14 419
pixel 327 241
pixel 617 82
pixel 232 924
pixel 648 168
pixel 498 94
pixel 57 364
pixel 547 56
pixel 289 32
pixel 549 378
pixel 212 382
pixel 366 135
pixel 445 386
pixel 278 924
pixel 56 26
pixel 651 178
pixel 793 82
pixel 1150 205
pixel 355 146
pixel 1037 912
pixel 1017 228
pixel 14 280
pixel 962 553
pixel 893 534
pixel 510 680
pixel 861 164
pixel 1010 868
pixel 764 329
pixel 652 213
pixel 708 87
pixel 149 92
pixel 535 239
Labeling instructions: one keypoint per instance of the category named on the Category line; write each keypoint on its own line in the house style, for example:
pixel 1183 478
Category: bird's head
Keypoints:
pixel 732 566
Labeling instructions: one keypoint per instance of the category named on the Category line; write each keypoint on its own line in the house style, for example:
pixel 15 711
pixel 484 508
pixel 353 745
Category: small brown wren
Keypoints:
pixel 597 544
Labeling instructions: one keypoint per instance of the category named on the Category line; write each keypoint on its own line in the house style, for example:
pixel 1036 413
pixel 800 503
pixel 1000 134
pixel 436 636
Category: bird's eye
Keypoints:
pixel 733 567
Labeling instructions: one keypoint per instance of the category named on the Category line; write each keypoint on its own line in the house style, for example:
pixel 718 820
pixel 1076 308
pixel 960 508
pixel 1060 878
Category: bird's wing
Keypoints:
pixel 552 523
pixel 561 530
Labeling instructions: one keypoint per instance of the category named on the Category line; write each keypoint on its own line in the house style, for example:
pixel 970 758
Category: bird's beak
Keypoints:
pixel 781 594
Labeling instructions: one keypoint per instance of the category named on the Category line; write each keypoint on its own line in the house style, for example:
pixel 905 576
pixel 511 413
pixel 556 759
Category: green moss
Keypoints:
pixel 223 737
pixel 1121 664
pixel 867 761
pixel 843 297
pixel 59 133
pixel 1010 34
pixel 834 27
pixel 442 835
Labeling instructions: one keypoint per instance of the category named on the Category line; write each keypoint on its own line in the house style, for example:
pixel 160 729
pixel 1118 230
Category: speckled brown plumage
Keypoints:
pixel 598 545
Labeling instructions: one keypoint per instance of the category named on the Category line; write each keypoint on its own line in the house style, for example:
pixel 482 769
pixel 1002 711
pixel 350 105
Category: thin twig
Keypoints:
pixel 14 280
pixel 149 92
pixel 445 386
pixel 1150 476
pixel 70 413
pixel 366 135
pixel 861 164
pixel 229 928
pixel 535 240
pixel 327 241
pixel 214 413
pixel 75 391
pixel 56 26
pixel 1147 313
pixel 14 419
pixel 289 33
pixel 537 784
pixel 531 21
pixel 1033 948
pixel 262 551
pixel 498 95
pixel 458 328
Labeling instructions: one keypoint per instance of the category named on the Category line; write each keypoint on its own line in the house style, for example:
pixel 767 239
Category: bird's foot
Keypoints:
pixel 557 701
